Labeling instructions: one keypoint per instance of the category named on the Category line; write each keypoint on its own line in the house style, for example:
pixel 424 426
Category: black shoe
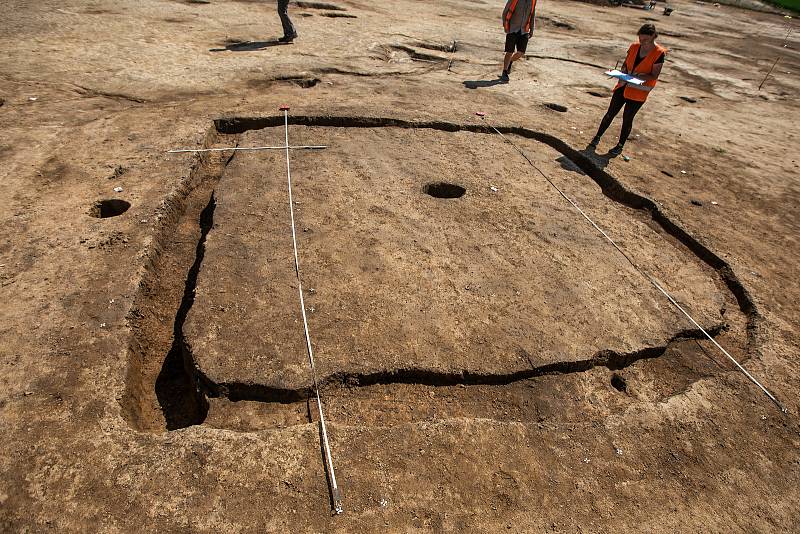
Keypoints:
pixel 504 77
pixel 287 38
pixel 593 144
pixel 616 151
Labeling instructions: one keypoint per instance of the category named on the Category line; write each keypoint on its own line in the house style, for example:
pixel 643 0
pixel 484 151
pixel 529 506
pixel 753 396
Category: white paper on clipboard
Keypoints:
pixel 624 77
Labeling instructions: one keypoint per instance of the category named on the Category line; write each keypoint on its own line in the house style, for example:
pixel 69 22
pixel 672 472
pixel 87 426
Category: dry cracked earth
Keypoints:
pixel 486 360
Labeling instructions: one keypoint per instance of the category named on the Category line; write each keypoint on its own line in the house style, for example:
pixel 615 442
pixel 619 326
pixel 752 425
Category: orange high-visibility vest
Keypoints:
pixel 511 8
pixel 639 92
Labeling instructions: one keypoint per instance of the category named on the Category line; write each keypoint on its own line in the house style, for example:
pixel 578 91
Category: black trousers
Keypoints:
pixel 286 22
pixel 618 100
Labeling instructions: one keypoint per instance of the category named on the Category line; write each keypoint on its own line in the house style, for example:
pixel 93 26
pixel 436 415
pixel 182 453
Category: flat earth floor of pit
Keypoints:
pixel 504 279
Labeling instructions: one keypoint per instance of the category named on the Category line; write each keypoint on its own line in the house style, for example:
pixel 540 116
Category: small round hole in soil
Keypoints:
pixel 102 209
pixel 444 190
pixel 556 107
pixel 619 383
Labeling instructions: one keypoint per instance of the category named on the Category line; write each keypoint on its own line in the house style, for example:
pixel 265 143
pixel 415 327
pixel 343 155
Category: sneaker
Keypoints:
pixel 593 144
pixel 616 151
pixel 504 77
pixel 287 38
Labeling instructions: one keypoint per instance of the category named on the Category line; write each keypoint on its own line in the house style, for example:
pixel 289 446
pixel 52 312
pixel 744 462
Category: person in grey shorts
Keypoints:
pixel 519 21
pixel 289 33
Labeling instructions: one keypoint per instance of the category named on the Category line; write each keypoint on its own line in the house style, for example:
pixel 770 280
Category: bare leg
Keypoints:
pixel 510 58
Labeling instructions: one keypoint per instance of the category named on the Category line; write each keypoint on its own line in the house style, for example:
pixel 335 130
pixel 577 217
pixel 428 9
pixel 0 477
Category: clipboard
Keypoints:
pixel 624 77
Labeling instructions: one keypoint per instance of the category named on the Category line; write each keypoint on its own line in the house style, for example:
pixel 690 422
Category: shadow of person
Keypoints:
pixel 569 165
pixel 596 160
pixel 248 46
pixel 600 161
pixel 474 84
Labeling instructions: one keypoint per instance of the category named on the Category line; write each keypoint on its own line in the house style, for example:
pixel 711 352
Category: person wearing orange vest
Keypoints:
pixel 519 20
pixel 644 60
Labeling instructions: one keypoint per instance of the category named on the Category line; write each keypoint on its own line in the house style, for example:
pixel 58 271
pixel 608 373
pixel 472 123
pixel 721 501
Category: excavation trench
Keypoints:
pixel 607 359
pixel 581 396
pixel 162 391
pixel 185 396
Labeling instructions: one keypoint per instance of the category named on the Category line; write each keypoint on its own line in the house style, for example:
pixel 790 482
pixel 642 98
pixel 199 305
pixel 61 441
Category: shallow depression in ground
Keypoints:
pixel 398 281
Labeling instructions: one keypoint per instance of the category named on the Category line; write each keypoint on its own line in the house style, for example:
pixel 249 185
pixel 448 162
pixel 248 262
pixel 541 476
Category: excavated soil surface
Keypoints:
pixel 486 361
pixel 399 284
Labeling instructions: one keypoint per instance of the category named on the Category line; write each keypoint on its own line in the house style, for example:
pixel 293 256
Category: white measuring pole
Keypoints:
pixel 636 267
pixel 335 493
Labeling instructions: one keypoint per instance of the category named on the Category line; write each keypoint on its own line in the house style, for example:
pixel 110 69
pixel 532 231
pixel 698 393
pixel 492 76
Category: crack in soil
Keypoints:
pixel 319 5
pixel 567 60
pixel 417 55
pixel 305 82
pixel 449 48
pixel 338 15
pixel 86 91
pixel 365 74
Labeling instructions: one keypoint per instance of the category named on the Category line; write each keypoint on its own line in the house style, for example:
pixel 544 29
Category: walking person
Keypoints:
pixel 289 33
pixel 519 20
pixel 644 61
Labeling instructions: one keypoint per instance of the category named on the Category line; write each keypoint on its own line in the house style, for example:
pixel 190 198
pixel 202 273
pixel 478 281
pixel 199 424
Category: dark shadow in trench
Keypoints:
pixel 598 160
pixel 181 401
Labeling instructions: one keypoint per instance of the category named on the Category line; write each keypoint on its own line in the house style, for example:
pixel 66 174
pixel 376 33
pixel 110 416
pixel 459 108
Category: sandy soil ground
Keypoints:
pixel 486 362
